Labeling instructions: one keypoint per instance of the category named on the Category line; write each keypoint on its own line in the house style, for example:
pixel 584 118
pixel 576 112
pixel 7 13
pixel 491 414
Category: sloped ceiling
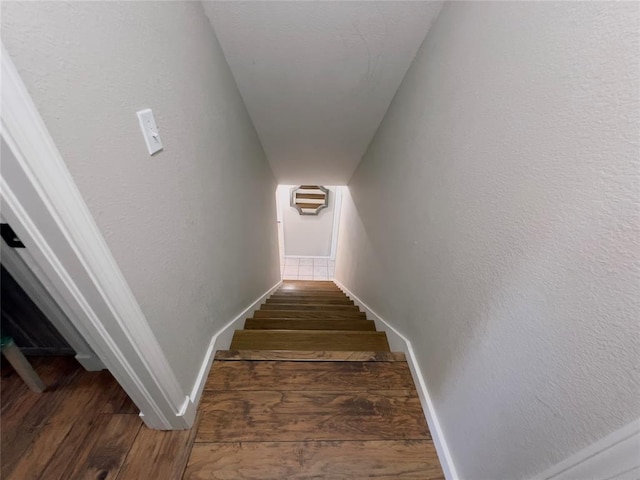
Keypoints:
pixel 318 77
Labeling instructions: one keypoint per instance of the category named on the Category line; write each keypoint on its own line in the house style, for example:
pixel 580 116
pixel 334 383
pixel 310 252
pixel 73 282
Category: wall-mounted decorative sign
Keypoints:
pixel 309 199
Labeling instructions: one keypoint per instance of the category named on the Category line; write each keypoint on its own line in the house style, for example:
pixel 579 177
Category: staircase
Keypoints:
pixel 312 316
pixel 310 389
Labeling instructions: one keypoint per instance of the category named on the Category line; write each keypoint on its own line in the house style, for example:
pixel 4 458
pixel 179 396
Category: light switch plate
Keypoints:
pixel 150 131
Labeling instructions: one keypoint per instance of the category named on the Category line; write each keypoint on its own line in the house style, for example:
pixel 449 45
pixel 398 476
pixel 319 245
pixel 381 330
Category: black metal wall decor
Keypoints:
pixel 309 199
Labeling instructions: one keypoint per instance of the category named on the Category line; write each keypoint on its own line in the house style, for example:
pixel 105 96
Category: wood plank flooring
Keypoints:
pixel 83 426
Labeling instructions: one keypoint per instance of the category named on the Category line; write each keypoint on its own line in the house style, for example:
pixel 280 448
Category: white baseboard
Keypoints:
pixel 90 362
pixel 220 341
pixel 400 343
pixel 614 457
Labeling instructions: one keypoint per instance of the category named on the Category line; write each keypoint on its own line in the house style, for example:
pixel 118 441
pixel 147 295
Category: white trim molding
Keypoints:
pixel 220 341
pixel 337 210
pixel 614 457
pixel 44 207
pixel 400 343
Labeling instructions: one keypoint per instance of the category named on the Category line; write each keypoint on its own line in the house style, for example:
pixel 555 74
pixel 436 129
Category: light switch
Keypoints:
pixel 150 131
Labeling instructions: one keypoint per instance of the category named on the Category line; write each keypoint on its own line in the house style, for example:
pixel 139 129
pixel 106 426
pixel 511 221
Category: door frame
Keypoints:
pixel 335 226
pixel 46 210
pixel 20 265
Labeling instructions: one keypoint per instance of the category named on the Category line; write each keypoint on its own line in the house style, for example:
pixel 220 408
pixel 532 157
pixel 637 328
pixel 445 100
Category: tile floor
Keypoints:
pixel 307 268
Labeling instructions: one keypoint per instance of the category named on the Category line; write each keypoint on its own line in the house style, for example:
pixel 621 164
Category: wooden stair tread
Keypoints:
pixel 307 291
pixel 329 376
pixel 316 332
pixel 389 459
pixel 318 292
pixel 308 356
pixel 308 306
pixel 308 314
pixel 317 298
pixel 276 415
pixel 308 324
pixel 309 340
pixel 308 285
pixel 310 301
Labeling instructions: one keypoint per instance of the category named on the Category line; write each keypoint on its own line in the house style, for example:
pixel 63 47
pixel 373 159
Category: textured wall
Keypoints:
pixel 495 220
pixel 307 235
pixel 183 225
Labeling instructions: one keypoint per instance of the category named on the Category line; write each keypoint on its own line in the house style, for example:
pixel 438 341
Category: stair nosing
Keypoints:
pixel 337 332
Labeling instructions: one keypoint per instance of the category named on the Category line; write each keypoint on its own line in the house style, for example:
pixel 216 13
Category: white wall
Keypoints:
pixel 307 235
pixel 181 224
pixel 495 221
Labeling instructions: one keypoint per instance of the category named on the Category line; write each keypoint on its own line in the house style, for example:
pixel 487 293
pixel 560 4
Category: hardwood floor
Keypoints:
pixel 325 406
pixel 84 426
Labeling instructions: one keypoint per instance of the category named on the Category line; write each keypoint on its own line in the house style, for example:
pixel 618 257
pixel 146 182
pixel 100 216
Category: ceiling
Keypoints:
pixel 317 77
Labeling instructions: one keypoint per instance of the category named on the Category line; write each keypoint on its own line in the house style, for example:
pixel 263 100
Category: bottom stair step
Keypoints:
pixel 396 459
pixel 310 340
pixel 308 356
